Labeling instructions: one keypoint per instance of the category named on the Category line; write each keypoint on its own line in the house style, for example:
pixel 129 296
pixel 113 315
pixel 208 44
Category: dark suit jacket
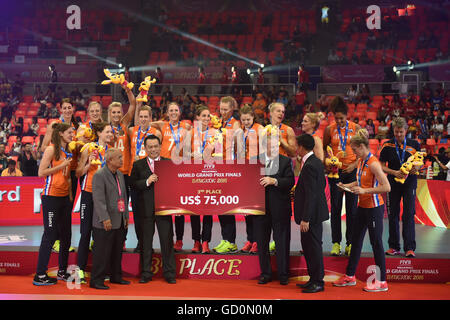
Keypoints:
pixel 278 201
pixel 105 196
pixel 310 204
pixel 146 195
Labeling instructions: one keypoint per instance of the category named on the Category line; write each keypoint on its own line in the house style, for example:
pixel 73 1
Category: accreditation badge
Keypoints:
pixel 121 205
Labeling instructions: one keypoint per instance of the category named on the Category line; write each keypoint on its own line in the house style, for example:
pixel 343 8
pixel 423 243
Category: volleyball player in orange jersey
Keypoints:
pixel 94 113
pixel 103 136
pixel 248 136
pixel 310 124
pixel 173 134
pixel 248 148
pixel 56 203
pixel 119 125
pixel 371 182
pixel 228 222
pixel 337 135
pixel 121 140
pixel 143 128
pixel 137 134
pixel 67 116
pixel 173 131
pixel 200 136
pixel 288 144
pixel 227 105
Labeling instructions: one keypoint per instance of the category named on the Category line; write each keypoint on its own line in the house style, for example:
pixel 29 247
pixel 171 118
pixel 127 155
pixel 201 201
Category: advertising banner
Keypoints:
pixel 40 72
pixel 439 72
pixel 208 189
pixel 353 73
pixel 243 267
pixel 190 75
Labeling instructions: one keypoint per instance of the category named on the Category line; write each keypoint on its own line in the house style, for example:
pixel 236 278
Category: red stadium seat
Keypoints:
pixel 12 139
pixel 32 113
pixel 35 105
pixel 106 101
pixel 28 99
pixel 158 100
pixel 96 98
pixel 27 139
pixel 371 115
pixel 42 131
pixel 23 105
pixel 373 149
pixel 374 143
pixel 81 114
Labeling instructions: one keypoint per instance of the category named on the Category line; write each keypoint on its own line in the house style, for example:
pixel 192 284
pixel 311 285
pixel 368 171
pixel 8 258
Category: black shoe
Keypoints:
pixel 44 280
pixel 63 275
pixel 313 288
pixel 121 281
pixel 171 281
pixel 304 285
pixel 264 280
pixel 284 282
pixel 145 279
pixel 99 286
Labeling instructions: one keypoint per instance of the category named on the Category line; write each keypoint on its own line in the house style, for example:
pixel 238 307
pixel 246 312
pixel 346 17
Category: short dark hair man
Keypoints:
pixel 310 210
pixel 143 179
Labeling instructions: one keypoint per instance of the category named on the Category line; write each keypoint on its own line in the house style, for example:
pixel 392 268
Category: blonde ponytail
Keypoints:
pixel 315 118
pixel 361 137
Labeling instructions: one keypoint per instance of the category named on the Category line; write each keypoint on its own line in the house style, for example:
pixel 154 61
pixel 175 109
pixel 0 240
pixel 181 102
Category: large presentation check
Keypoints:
pixel 208 189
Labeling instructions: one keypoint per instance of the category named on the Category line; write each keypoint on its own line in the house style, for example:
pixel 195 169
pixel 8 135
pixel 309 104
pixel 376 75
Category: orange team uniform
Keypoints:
pixel 336 142
pixel 251 141
pixel 73 164
pixel 259 105
pixel 87 182
pixel 134 140
pixel 366 179
pixel 228 149
pixel 123 144
pixel 199 142
pixel 283 134
pixel 169 138
pixel 57 184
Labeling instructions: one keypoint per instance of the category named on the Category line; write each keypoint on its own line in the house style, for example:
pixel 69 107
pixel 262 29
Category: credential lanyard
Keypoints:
pixel 402 156
pixel 361 169
pixel 343 140
pixel 140 140
pixel 176 137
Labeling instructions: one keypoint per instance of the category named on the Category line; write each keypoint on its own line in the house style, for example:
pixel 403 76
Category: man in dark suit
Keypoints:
pixel 278 181
pixel 143 180
pixel 109 222
pixel 310 210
